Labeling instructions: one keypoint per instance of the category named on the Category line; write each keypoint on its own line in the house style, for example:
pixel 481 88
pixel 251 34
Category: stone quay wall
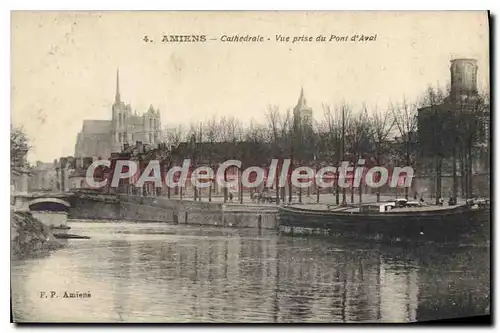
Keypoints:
pixel 161 209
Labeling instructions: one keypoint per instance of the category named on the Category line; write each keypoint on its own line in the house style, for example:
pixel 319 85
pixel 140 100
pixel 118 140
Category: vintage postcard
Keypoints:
pixel 239 167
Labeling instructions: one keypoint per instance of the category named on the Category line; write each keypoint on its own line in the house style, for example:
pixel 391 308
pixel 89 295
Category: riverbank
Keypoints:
pixel 29 236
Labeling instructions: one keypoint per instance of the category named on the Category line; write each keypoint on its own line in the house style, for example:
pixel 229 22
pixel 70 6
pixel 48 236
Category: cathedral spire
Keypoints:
pixel 117 95
pixel 302 100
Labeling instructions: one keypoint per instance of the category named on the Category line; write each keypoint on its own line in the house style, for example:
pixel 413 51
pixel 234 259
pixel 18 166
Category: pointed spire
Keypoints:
pixel 302 100
pixel 117 95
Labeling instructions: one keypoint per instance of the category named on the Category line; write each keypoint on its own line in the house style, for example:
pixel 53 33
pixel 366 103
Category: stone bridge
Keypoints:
pixel 54 200
pixel 50 208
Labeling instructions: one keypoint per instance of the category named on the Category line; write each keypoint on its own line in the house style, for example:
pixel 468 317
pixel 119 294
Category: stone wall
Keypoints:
pixel 98 210
pixel 85 208
pixel 160 209
pixel 250 216
pixel 51 219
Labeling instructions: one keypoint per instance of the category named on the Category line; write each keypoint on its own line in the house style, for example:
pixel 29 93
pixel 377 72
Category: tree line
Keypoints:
pixel 386 137
pixel 444 136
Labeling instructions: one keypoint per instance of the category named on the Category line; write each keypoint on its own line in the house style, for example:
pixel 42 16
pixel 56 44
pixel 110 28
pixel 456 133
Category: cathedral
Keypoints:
pixel 100 138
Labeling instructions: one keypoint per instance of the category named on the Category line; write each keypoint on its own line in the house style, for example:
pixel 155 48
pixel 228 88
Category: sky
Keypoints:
pixel 63 64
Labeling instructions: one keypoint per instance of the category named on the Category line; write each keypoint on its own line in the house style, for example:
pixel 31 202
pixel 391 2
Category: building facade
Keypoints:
pixel 44 177
pixel 100 138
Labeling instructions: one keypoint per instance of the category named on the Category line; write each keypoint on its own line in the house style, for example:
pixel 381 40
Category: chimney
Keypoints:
pixel 139 146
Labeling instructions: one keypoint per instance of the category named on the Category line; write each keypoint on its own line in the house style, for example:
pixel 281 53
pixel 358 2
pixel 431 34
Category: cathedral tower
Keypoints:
pixel 463 78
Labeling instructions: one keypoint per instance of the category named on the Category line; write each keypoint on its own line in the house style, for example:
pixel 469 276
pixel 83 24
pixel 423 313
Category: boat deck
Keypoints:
pixel 333 208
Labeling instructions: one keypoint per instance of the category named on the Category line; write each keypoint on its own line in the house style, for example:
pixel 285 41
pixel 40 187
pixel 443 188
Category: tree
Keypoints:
pixel 174 135
pixel 210 129
pixel 346 116
pixel 332 127
pixel 279 134
pixel 194 136
pixel 230 132
pixel 471 118
pixel 19 147
pixel 381 125
pixel 358 141
pixel 405 120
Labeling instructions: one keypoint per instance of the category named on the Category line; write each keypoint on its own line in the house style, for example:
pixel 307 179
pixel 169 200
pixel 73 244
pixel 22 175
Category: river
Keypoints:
pixel 152 272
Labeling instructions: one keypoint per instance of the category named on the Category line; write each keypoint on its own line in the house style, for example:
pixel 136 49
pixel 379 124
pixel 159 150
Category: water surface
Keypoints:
pixel 155 272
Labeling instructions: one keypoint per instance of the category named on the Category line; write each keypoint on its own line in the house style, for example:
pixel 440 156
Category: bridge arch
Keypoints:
pixel 49 204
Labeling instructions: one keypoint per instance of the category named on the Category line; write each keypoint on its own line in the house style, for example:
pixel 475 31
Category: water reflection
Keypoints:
pixel 164 273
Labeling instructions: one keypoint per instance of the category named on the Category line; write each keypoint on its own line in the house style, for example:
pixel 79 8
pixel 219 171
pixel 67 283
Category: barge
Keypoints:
pixel 391 221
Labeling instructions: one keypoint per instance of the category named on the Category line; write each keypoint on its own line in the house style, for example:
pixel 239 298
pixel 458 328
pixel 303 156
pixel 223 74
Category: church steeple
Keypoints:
pixel 301 104
pixel 117 95
pixel 302 111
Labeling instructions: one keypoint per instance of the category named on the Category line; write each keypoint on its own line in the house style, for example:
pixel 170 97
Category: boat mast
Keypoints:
pixel 343 149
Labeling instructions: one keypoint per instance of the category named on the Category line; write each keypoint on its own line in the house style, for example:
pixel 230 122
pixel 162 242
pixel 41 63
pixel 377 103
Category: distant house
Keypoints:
pixel 43 177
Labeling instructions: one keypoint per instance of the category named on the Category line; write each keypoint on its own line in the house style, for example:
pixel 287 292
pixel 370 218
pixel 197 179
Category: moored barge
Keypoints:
pixel 386 221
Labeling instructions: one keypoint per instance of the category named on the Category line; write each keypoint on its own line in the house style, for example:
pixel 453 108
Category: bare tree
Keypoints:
pixel 381 125
pixel 471 118
pixel 174 135
pixel 279 134
pixel 345 111
pixel 405 120
pixel 274 123
pixel 255 133
pixel 287 142
pixel 231 129
pixel 210 129
pixel 194 137
pixel 230 132
pixel 332 125
pixel 358 141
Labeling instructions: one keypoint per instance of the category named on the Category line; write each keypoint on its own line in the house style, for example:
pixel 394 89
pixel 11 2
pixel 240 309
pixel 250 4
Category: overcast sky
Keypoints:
pixel 64 64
